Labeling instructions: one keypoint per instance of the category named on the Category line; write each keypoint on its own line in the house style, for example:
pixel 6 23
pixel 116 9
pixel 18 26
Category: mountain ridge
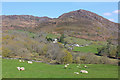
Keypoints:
pixel 79 23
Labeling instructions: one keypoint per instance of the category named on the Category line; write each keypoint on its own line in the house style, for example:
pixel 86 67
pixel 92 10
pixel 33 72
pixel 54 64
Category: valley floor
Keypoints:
pixel 42 70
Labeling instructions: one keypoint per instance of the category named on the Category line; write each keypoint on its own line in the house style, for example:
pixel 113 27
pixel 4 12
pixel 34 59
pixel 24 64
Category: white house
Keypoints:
pixel 55 41
pixel 77 45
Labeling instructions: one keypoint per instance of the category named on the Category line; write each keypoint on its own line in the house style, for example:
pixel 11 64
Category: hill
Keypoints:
pixel 81 23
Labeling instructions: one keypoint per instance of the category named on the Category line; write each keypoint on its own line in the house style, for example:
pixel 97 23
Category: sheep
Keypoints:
pixel 76 72
pixel 85 66
pixel 65 66
pixel 18 68
pixel 22 68
pixel 84 71
pixel 30 62
pixel 20 60
pixel 23 61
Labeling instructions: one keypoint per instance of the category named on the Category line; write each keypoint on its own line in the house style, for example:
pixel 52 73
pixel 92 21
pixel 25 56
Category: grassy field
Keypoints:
pixel 79 41
pixel 92 48
pixel 87 49
pixel 42 70
pixel 49 35
pixel 31 34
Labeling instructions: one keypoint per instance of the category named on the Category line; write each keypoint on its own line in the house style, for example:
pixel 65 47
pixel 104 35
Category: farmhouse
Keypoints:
pixel 81 45
pixel 77 45
pixel 55 40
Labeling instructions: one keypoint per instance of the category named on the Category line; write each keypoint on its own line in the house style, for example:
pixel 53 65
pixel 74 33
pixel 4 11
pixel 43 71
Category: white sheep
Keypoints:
pixel 65 66
pixel 23 61
pixel 30 62
pixel 85 66
pixel 84 71
pixel 22 68
pixel 20 60
pixel 76 72
pixel 18 68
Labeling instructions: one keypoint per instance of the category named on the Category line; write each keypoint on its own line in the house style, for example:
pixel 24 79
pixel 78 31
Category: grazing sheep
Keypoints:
pixel 20 60
pixel 85 66
pixel 18 68
pixel 65 66
pixel 23 61
pixel 22 68
pixel 84 71
pixel 76 72
pixel 30 62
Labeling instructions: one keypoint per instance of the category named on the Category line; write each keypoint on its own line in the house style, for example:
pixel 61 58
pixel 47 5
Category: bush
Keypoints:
pixel 67 58
pixel 62 38
pixel 6 52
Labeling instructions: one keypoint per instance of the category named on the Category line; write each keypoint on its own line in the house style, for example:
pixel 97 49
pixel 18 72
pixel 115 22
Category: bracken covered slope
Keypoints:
pixel 79 23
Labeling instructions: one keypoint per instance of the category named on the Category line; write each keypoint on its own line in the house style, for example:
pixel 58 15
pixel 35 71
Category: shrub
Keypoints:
pixel 6 52
pixel 62 38
pixel 67 58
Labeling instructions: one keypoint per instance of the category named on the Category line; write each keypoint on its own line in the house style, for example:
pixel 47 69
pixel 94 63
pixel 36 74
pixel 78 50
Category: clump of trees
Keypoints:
pixel 62 38
pixel 82 58
pixel 22 45
pixel 109 50
pixel 67 57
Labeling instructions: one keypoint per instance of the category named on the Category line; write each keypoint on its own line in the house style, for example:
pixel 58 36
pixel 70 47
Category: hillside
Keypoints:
pixel 81 23
pixel 78 36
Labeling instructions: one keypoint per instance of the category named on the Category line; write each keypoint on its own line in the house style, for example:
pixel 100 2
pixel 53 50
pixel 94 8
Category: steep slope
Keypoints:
pixel 84 24
pixel 17 21
pixel 80 23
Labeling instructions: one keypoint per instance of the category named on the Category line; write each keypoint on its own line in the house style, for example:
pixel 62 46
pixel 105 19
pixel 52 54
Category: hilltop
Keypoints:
pixel 80 23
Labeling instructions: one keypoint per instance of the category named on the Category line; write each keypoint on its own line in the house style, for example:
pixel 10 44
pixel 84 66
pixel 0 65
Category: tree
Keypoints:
pixel 108 50
pixel 67 58
pixel 62 38
pixel 6 52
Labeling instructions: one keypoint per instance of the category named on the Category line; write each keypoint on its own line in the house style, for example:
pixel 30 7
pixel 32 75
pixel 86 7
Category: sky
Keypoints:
pixel 108 10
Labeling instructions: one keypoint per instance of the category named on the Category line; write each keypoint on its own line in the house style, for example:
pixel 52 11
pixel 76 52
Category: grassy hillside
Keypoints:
pixel 42 70
pixel 87 49
pixel 31 34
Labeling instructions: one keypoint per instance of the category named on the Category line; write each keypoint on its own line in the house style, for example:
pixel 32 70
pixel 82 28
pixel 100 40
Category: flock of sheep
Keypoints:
pixel 65 67
pixel 82 71
pixel 22 68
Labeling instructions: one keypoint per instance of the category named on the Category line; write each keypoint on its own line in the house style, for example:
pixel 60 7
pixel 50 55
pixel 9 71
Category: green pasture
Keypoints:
pixel 42 70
